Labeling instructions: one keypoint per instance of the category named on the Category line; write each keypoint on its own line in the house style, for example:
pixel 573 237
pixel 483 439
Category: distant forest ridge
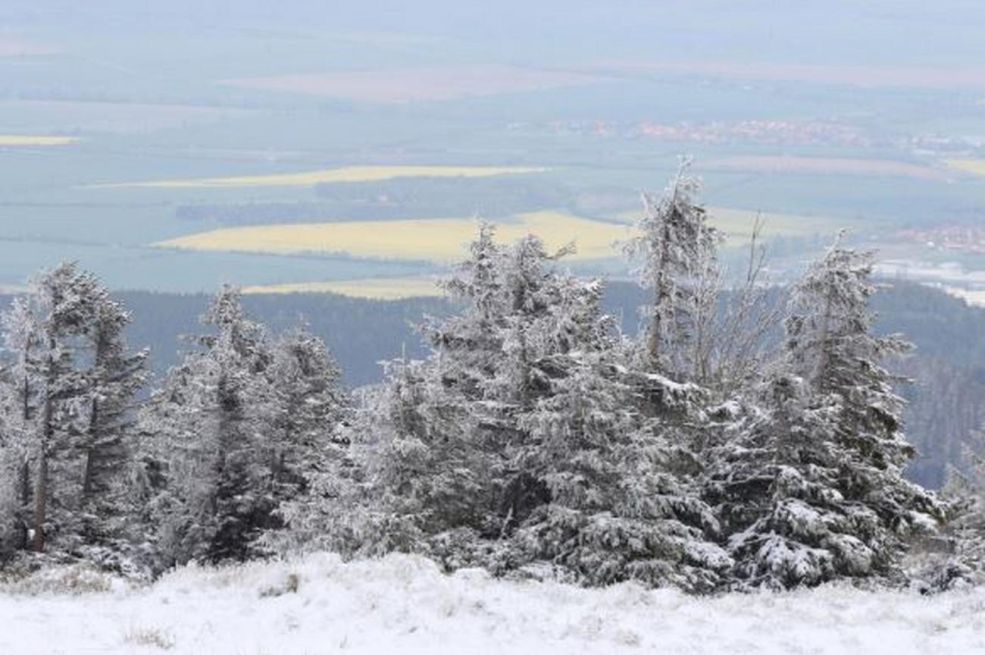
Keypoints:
pixel 948 364
pixel 363 332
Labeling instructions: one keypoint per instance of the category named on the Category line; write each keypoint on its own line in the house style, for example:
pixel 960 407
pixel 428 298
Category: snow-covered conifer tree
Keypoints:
pixel 965 493
pixel 831 345
pixel 108 442
pixel 310 408
pixel 615 510
pixel 445 429
pixel 13 472
pixel 20 402
pixel 677 251
pixel 209 428
pixel 519 441
pixel 813 488
pixel 45 330
pixel 776 484
pixel 244 435
pixel 309 443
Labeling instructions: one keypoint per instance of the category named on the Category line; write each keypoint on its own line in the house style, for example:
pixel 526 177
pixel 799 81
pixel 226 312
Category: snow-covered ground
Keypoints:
pixel 405 605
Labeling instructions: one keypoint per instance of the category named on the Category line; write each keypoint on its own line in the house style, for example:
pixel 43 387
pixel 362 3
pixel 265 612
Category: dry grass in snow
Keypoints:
pixel 405 605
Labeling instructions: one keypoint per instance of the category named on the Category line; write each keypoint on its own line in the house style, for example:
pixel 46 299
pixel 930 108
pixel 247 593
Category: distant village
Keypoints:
pixel 957 238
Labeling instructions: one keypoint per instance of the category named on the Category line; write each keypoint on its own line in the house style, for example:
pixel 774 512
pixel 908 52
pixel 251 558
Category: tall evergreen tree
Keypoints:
pixel 813 488
pixel 14 472
pixel 965 493
pixel 208 430
pixel 115 377
pixel 67 399
pixel 676 250
pixel 310 444
pixel 19 408
pixel 832 346
pixel 240 434
pixel 616 510
pixel 46 329
pixel 776 488
pixel 519 441
pixel 310 409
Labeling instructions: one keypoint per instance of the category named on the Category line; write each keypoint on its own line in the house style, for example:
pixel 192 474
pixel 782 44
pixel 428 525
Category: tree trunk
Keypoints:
pixel 24 482
pixel 25 471
pixel 824 356
pixel 653 338
pixel 41 502
pixel 87 480
pixel 47 436
pixel 95 429
pixel 661 296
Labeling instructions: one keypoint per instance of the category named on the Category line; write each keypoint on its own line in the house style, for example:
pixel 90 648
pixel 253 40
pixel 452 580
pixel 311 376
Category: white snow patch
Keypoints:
pixel 406 605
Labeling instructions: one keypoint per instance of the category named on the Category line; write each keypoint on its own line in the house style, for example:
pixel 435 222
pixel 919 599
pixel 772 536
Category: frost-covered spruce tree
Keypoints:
pixel 311 408
pixel 45 331
pixel 830 349
pixel 115 377
pixel 14 473
pixel 488 365
pixel 19 397
pixel 434 436
pixel 444 429
pixel 676 250
pixel 500 355
pixel 207 434
pixel 176 473
pixel 470 342
pixel 309 435
pixel 965 493
pixel 431 483
pixel 616 510
pixel 776 483
pixel 517 443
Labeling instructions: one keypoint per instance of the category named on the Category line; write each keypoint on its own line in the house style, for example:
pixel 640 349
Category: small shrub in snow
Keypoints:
pixel 151 637
pixel 74 579
pixel 286 583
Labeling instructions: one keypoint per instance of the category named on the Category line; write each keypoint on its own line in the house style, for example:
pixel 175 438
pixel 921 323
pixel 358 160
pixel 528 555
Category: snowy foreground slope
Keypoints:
pixel 405 605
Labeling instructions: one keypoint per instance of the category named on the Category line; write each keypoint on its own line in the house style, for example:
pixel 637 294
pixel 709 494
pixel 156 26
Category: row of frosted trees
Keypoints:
pixel 91 469
pixel 535 440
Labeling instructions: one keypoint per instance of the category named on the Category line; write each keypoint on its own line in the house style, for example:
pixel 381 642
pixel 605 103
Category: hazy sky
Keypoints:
pixel 811 31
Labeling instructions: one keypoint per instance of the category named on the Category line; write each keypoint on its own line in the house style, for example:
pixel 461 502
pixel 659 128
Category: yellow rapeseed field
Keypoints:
pixel 311 178
pixel 438 240
pixel 736 225
pixel 15 140
pixel 373 288
pixel 974 166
